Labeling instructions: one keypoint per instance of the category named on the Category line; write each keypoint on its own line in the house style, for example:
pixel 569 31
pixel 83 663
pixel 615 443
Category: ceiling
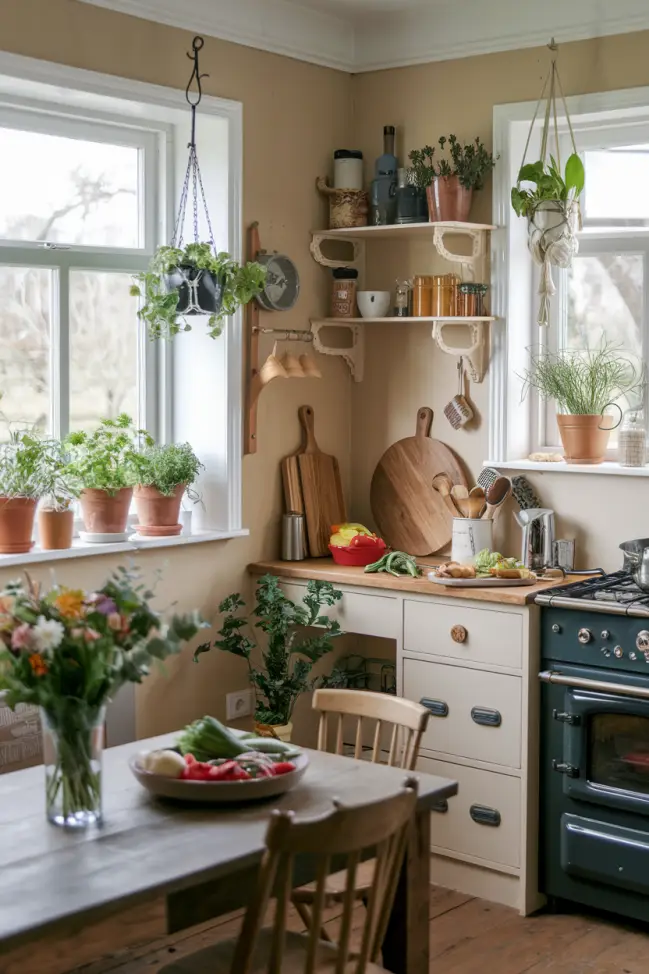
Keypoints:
pixel 369 35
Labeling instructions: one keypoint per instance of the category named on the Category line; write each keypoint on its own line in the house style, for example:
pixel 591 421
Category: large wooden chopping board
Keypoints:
pixel 410 514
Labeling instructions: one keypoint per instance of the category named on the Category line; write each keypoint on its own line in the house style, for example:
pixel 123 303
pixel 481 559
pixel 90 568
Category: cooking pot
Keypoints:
pixel 636 561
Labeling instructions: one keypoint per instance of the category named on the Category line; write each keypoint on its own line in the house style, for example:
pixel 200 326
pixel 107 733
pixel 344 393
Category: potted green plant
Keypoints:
pixel 21 484
pixel 290 652
pixel 107 464
pixel 450 182
pixel 166 473
pixel 194 280
pixel 583 384
pixel 60 489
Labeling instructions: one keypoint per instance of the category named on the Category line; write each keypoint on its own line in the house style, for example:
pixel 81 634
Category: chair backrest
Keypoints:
pixel 380 828
pixel 408 720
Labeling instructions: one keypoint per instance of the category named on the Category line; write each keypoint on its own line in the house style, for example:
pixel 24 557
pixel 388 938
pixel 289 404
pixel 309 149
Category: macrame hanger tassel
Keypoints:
pixel 547 290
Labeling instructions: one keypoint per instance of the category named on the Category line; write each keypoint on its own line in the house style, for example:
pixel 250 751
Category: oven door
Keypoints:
pixel 605 754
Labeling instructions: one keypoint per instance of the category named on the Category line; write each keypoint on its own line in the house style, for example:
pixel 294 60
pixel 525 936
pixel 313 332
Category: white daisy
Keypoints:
pixel 48 634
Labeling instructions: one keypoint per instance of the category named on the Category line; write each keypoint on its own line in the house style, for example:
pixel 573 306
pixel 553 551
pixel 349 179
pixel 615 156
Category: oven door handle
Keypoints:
pixel 599 686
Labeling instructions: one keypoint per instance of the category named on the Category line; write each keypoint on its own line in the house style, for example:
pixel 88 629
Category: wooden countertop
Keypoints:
pixel 328 571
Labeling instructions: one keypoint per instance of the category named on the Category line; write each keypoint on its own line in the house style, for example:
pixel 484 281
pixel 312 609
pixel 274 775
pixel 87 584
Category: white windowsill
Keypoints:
pixel 608 468
pixel 81 549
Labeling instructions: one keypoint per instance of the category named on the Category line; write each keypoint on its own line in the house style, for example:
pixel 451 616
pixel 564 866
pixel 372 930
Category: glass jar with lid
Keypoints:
pixel 470 299
pixel 632 440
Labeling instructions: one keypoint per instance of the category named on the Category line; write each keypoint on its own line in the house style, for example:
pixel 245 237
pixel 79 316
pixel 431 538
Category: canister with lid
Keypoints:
pixel 444 295
pixel 348 169
pixel 343 293
pixel 422 296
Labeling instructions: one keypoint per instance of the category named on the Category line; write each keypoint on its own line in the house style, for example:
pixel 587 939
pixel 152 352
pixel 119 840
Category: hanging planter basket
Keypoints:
pixel 200 292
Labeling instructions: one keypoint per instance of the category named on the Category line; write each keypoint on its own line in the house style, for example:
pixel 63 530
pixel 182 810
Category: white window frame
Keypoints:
pixel 23 78
pixel 514 298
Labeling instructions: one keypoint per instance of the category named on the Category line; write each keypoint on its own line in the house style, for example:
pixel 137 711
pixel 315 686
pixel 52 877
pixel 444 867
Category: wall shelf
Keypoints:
pixel 404 230
pixel 457 320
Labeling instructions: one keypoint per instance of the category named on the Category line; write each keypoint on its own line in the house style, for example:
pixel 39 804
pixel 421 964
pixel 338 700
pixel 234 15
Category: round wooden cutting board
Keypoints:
pixel 410 514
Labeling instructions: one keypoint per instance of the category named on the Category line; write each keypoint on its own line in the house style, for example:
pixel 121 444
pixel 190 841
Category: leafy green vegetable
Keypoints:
pixel 485 560
pixel 549 184
pixel 208 739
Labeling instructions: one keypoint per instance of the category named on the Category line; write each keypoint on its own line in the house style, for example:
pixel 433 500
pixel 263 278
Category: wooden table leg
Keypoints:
pixel 405 948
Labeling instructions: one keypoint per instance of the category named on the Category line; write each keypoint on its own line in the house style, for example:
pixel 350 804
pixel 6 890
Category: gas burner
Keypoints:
pixel 616 593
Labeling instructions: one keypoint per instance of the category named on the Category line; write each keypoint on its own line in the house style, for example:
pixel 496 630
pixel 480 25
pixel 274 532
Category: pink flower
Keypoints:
pixel 91 635
pixel 21 637
pixel 76 633
pixel 114 621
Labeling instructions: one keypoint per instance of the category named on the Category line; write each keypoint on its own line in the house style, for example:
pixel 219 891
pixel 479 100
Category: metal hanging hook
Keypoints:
pixel 196 76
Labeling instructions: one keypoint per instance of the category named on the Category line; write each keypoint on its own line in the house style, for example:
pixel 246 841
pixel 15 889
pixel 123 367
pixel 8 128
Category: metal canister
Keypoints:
pixel 564 554
pixel 293 537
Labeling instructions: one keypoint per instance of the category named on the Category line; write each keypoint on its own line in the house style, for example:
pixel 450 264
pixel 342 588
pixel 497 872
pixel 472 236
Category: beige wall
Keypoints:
pixel 294 113
pixel 403 368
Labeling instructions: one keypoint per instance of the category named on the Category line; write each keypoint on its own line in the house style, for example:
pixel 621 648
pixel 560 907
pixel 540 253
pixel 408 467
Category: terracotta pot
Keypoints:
pixel 583 439
pixel 105 513
pixel 157 514
pixel 16 525
pixel 55 529
pixel 282 732
pixel 448 200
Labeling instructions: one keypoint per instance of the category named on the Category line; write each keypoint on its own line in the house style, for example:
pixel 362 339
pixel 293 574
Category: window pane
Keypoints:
pixel 68 190
pixel 25 328
pixel 104 333
pixel 616 184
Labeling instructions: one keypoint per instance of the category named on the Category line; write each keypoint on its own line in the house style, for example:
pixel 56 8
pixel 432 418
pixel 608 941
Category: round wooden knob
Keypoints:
pixel 459 634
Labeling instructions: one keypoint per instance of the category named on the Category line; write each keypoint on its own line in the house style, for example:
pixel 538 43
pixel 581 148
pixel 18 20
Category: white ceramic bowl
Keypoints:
pixel 374 304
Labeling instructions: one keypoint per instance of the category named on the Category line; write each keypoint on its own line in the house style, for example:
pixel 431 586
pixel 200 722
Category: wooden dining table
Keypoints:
pixel 153 868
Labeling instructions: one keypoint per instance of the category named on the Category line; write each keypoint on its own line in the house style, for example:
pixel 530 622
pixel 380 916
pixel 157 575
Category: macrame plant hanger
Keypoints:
pixel 553 225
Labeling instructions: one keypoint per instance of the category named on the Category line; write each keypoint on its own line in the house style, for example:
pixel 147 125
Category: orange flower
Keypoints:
pixel 37 664
pixel 70 603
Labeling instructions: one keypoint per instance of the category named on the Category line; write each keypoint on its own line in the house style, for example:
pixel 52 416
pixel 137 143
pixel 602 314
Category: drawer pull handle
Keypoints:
pixel 459 634
pixel 440 806
pixel 438 708
pixel 486 717
pixel 484 815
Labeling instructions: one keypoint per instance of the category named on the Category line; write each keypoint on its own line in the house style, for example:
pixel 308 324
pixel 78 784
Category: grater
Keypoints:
pixel 488 477
pixel 458 412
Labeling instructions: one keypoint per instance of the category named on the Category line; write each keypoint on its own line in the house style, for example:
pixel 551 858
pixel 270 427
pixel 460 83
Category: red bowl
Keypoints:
pixel 357 557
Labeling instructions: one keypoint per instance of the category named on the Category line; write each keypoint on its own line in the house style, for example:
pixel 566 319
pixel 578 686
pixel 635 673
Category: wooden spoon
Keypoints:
pixel 443 484
pixel 477 501
pixel 497 494
pixel 460 497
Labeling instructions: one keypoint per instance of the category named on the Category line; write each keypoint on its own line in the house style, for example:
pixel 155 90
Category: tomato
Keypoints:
pixel 365 541
pixel 283 767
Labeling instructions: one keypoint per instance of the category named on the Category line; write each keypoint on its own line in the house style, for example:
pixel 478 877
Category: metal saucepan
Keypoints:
pixel 636 561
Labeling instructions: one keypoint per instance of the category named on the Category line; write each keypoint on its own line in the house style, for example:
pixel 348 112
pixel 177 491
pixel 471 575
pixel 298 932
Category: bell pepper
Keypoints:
pixel 366 541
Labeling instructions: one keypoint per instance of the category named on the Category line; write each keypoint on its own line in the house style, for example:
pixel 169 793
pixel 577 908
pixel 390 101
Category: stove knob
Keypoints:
pixel 556 628
pixel 604 651
pixel 605 634
pixel 632 655
pixel 642 640
pixel 619 652
pixel 585 636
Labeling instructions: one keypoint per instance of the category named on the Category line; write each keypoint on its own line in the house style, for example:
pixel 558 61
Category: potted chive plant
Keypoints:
pixel 60 489
pixel 166 474
pixel 450 182
pixel 22 482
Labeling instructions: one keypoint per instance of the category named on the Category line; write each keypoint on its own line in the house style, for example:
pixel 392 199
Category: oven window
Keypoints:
pixel 618 751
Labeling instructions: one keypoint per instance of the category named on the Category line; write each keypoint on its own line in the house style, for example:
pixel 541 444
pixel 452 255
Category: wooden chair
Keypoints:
pixel 408 720
pixel 381 827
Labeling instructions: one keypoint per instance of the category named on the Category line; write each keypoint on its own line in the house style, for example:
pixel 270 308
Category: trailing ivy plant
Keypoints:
pixel 166 467
pixel 290 652
pixel 470 163
pixel 549 184
pixel 110 457
pixel 240 283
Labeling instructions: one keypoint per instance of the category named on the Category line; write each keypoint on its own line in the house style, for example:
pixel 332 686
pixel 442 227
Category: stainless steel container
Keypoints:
pixel 564 554
pixel 636 561
pixel 538 537
pixel 293 537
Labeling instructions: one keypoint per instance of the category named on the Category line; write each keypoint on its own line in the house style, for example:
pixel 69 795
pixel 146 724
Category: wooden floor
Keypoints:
pixel 467 936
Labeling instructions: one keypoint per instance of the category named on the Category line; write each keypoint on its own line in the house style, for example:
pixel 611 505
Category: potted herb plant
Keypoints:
pixel 190 281
pixel 166 473
pixel 583 384
pixel 290 652
pixel 107 464
pixel 450 182
pixel 21 484
pixel 60 489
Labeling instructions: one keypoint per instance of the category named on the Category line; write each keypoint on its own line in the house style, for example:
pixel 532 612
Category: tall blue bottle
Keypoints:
pixel 384 185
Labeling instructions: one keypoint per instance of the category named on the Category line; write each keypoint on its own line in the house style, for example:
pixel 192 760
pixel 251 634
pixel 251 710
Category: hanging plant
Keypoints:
pixel 193 279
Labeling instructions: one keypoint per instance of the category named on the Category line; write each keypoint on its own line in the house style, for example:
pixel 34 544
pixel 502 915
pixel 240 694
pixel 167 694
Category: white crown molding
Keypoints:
pixel 439 31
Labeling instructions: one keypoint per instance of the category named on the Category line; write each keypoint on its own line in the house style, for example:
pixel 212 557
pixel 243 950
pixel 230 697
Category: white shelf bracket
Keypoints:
pixel 358 258
pixel 474 354
pixel 470 261
pixel 354 356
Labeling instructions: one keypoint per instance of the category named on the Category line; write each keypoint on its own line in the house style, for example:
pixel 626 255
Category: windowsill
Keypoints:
pixel 81 549
pixel 608 468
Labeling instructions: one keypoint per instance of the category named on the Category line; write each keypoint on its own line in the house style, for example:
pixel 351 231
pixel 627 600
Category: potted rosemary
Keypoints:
pixel 583 384
pixel 290 652
pixel 450 182
pixel 166 474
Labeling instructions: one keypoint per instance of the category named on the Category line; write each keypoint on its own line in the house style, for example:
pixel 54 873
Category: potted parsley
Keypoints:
pixel 165 474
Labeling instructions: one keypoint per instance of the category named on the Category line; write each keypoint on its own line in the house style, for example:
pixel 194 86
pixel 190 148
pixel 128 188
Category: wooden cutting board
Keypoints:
pixel 409 512
pixel 312 480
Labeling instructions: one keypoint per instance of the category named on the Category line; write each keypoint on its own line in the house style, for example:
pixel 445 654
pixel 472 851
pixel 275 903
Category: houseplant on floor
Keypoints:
pixel 68 652
pixel 290 652
pixel 166 473
pixel 21 484
pixel 194 280
pixel 60 490
pixel 583 384
pixel 107 464
pixel 450 183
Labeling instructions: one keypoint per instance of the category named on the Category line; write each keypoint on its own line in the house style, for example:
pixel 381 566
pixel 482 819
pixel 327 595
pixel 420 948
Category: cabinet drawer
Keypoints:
pixel 372 615
pixel 476 714
pixel 483 819
pixel 492 636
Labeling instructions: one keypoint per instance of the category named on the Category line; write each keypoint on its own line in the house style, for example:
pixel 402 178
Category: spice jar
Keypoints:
pixel 632 440
pixel 422 296
pixel 403 299
pixel 343 292
pixel 470 299
pixel 444 296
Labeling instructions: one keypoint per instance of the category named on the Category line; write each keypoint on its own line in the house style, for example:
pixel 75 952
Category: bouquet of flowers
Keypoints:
pixel 68 651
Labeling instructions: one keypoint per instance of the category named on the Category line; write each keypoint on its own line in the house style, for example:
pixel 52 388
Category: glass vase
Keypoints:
pixel 73 742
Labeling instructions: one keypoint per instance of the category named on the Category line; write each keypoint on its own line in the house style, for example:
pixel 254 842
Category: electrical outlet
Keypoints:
pixel 238 704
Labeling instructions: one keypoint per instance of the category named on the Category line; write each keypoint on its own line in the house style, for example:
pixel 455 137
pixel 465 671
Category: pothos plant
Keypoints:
pixel 240 283
pixel 290 650
pixel 470 163
pixel 549 184
pixel 110 457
